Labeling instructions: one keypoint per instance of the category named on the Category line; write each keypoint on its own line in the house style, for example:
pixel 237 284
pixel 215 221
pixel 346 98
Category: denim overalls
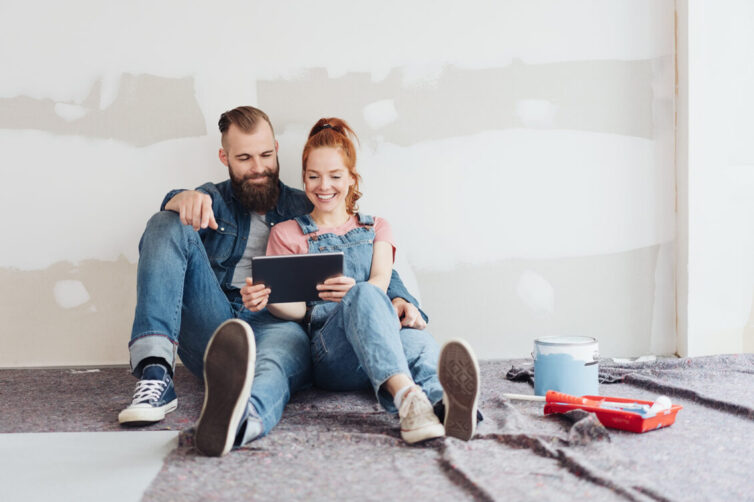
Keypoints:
pixel 358 343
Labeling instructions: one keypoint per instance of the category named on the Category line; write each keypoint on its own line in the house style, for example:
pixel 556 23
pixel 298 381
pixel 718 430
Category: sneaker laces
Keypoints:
pixel 414 403
pixel 148 390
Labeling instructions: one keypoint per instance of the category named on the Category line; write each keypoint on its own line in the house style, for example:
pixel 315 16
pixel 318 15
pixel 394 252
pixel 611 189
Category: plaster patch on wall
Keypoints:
pixel 38 332
pixel 536 194
pixel 380 113
pixel 69 112
pixel 74 41
pixel 422 75
pixel 603 96
pixel 610 297
pixel 536 293
pixel 536 112
pixel 70 294
pixel 91 197
pixel 145 109
pixel 106 90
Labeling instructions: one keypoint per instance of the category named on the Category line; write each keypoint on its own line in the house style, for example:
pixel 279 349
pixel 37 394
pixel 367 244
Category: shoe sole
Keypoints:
pixel 459 376
pixel 146 416
pixel 423 434
pixel 228 375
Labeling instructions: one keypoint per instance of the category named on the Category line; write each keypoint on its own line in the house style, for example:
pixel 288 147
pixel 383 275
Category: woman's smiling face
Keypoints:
pixel 327 180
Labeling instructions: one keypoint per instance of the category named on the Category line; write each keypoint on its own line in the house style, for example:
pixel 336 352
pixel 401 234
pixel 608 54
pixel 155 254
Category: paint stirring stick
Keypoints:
pixel 524 397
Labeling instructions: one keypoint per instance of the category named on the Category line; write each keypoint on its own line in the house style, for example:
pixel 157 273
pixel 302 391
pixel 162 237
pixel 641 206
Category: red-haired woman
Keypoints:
pixel 356 338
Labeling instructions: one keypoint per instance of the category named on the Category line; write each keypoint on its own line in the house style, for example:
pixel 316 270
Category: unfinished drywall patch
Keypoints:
pixel 70 294
pixel 536 194
pixel 380 113
pixel 86 198
pixel 610 297
pixel 536 113
pixel 75 40
pixel 536 293
pixel 67 314
pixel 70 112
pixel 603 96
pixel 147 109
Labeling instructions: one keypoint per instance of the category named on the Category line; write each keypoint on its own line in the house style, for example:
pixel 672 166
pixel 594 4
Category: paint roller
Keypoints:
pixel 662 403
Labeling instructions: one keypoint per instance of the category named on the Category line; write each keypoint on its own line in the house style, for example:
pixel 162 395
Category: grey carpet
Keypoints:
pixel 343 447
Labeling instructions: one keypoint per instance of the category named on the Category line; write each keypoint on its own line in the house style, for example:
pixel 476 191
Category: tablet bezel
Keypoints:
pixel 294 277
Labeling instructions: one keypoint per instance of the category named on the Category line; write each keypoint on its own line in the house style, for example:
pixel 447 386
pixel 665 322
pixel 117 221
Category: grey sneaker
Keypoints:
pixel 459 376
pixel 418 419
pixel 228 374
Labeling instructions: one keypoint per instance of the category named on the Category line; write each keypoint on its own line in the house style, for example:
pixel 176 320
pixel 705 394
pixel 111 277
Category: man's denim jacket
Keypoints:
pixel 226 245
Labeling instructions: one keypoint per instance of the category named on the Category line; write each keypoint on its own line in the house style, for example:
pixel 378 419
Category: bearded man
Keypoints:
pixel 195 297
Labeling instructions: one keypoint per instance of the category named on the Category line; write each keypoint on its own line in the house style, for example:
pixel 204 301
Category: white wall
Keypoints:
pixel 717 303
pixel 523 151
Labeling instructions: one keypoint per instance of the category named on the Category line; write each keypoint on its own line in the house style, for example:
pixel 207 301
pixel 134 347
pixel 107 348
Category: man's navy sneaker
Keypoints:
pixel 154 396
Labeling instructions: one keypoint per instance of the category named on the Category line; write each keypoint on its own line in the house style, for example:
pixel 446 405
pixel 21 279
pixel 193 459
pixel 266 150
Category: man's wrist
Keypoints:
pixel 397 300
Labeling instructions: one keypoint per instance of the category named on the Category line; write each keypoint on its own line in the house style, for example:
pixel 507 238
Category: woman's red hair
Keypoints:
pixel 336 133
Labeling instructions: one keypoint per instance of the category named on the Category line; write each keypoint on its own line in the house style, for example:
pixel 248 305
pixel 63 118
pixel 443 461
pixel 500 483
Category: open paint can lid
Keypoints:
pixel 565 340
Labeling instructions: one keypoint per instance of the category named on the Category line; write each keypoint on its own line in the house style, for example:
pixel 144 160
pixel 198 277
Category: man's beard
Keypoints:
pixel 253 196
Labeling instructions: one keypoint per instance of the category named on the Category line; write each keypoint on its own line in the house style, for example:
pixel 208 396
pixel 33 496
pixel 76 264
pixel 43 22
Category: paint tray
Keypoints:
pixel 609 417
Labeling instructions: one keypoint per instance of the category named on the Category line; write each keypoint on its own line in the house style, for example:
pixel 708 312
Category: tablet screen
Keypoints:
pixel 294 278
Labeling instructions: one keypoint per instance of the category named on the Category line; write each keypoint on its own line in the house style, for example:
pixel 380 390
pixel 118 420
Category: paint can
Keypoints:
pixel 566 364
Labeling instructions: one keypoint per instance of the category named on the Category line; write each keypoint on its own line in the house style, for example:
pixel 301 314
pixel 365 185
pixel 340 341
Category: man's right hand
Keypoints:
pixel 194 208
pixel 408 314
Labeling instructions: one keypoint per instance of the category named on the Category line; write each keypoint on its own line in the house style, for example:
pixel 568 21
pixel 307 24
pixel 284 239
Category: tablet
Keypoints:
pixel 294 277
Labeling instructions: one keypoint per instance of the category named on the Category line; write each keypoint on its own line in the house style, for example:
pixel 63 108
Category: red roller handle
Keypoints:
pixel 559 397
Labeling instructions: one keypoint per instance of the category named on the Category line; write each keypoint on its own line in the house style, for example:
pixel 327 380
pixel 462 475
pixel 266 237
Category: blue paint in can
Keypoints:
pixel 566 364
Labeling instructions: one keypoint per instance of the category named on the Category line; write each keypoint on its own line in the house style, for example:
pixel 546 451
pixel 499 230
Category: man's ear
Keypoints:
pixel 223 156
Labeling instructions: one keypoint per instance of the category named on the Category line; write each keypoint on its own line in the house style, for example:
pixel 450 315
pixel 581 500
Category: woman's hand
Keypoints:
pixel 335 288
pixel 255 296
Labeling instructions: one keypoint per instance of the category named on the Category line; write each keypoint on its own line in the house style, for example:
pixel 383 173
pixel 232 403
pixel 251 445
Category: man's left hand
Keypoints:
pixel 408 314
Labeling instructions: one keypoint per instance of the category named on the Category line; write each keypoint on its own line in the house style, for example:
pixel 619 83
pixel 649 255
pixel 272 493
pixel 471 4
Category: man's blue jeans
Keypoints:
pixel 358 344
pixel 180 304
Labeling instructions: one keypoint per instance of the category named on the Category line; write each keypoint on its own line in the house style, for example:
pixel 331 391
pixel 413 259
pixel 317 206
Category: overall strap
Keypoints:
pixel 366 219
pixel 307 224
